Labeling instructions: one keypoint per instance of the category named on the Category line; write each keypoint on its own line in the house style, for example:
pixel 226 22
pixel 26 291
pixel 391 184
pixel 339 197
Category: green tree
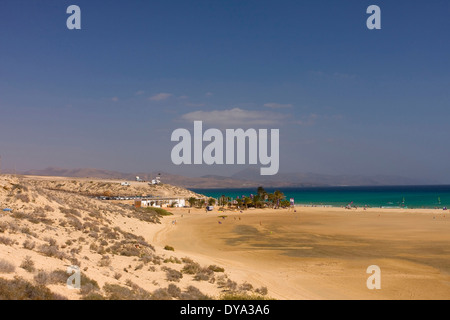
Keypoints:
pixel 278 197
pixel 192 201
pixel 247 201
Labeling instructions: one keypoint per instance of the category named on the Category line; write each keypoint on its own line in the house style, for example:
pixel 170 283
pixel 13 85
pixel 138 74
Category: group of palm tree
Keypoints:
pixel 262 199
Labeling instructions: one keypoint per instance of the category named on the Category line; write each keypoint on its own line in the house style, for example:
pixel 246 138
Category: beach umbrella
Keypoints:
pixel 7 209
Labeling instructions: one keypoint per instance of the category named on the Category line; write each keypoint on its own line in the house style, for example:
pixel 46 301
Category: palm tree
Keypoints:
pixel 261 193
pixel 271 198
pixel 192 201
pixel 285 203
pixel 222 201
pixel 201 203
pixel 247 201
pixel 211 202
pixel 239 202
pixel 278 196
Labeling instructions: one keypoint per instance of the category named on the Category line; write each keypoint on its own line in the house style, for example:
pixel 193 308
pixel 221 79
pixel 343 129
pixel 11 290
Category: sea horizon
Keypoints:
pixel 407 196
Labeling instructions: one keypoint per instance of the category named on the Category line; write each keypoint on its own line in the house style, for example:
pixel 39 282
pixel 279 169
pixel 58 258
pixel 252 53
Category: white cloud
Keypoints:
pixel 274 105
pixel 209 94
pixel 235 117
pixel 140 92
pixel 160 96
pixel 114 99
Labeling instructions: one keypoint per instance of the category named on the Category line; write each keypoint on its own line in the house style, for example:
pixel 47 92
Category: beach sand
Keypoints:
pixel 320 253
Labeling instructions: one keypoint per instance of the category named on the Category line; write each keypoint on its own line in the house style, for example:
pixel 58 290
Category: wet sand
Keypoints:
pixel 321 253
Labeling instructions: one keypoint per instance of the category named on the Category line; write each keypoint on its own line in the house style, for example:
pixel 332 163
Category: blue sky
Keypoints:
pixel 347 100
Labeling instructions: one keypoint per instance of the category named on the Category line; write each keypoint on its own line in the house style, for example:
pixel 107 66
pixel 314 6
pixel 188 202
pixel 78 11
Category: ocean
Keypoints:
pixel 430 196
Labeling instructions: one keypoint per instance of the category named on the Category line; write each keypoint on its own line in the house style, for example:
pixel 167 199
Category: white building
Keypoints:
pixel 160 202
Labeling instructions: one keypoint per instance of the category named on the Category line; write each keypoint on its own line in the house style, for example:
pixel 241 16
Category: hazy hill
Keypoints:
pixel 247 178
pixel 314 179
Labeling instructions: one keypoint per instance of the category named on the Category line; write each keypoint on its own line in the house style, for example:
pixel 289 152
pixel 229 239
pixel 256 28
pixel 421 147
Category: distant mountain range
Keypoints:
pixel 247 178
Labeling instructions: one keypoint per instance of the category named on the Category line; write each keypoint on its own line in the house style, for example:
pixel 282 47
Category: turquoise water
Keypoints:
pixel 386 196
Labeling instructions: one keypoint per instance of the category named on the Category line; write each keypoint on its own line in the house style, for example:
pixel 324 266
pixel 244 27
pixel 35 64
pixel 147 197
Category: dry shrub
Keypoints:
pixel 75 223
pixel 174 291
pixel 6 267
pixel 48 208
pixel 192 293
pixel 204 274
pixel 161 294
pixel 190 267
pixel 3 227
pixel 70 212
pixel 172 260
pixel 226 284
pixel 6 241
pixel 20 289
pixel 117 292
pixel 262 291
pixel 23 197
pixel 27 230
pixel 172 274
pixel 139 267
pixel 44 278
pixel 28 244
pixel 52 251
pixel 28 264
pixel 105 261
pixel 216 268
pixel 245 287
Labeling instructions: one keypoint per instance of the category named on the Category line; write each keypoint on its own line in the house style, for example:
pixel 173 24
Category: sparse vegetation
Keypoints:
pixel 6 241
pixel 172 274
pixel 172 260
pixel 28 264
pixel 20 289
pixel 105 261
pixel 118 292
pixel 190 267
pixel 52 250
pixel 216 268
pixel 204 274
pixel 6 267
pixel 192 293
pixel 242 296
pixel 174 291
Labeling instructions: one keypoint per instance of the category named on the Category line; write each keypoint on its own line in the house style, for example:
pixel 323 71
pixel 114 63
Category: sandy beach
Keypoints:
pixel 320 253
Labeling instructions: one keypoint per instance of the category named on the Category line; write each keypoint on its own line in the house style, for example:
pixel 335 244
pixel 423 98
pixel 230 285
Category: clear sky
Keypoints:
pixel 347 100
